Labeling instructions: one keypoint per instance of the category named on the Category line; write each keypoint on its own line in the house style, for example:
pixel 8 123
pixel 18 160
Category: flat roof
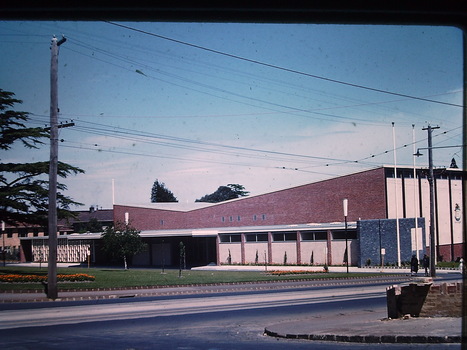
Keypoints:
pixel 213 232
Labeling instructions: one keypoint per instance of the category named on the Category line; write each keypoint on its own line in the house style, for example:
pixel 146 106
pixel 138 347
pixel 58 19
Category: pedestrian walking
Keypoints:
pixel 414 265
pixel 426 263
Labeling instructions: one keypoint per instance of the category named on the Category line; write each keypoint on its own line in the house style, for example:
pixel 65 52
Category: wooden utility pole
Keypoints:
pixel 431 180
pixel 51 288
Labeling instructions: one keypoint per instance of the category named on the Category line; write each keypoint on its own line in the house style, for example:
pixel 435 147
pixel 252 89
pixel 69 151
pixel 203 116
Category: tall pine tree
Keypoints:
pixel 23 188
pixel 160 193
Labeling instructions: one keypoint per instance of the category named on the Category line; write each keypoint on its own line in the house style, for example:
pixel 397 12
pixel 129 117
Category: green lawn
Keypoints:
pixel 118 278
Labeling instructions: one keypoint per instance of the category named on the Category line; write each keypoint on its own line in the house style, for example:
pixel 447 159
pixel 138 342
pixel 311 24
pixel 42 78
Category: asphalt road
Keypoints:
pixel 234 320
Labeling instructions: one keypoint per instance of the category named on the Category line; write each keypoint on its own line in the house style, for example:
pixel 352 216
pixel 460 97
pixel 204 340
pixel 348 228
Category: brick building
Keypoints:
pixel 305 224
pixel 29 242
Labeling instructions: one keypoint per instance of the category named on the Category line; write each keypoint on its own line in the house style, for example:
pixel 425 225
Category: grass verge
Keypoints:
pixel 119 278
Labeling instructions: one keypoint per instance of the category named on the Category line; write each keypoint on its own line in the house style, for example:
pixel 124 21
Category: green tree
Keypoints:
pixel 23 188
pixel 224 193
pixel 160 193
pixel 122 241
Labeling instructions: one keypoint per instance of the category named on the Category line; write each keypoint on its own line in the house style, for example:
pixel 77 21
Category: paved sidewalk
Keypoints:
pixel 368 328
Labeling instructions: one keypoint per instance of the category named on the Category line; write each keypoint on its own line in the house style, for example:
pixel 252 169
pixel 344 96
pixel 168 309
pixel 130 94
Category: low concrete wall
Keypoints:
pixel 425 300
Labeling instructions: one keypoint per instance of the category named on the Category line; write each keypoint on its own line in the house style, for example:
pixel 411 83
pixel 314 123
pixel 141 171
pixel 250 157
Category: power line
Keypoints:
pixel 294 110
pixel 198 145
pixel 281 68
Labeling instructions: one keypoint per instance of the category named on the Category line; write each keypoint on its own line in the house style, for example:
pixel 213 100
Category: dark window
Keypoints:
pixel 233 238
pixel 254 217
pixel 340 234
pixel 257 237
pixel 314 235
pixel 284 236
pixel 307 236
pixel 321 236
pixel 22 232
pixel 291 236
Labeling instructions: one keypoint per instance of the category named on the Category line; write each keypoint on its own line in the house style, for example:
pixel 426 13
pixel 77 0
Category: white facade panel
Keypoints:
pixel 255 253
pixel 443 211
pixel 394 197
pixel 314 252
pixel 457 210
pixel 279 250
pixel 232 249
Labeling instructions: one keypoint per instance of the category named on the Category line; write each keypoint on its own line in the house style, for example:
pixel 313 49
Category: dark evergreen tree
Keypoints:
pixel 160 193
pixel 224 193
pixel 23 190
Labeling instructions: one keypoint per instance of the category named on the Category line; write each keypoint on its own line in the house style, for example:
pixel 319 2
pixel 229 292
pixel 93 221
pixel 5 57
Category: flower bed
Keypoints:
pixel 79 277
pixel 295 272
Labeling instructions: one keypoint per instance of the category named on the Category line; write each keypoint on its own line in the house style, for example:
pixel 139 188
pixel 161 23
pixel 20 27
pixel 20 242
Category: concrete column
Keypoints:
pixel 269 248
pixel 242 248
pixel 329 245
pixel 217 251
pixel 299 248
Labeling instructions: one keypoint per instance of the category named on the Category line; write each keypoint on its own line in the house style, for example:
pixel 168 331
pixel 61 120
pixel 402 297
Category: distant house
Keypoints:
pixel 30 243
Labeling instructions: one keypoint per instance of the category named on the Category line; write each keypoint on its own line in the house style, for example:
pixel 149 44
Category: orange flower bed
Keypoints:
pixel 294 272
pixel 78 277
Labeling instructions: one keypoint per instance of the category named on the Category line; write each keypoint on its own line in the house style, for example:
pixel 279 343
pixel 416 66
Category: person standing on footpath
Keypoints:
pixel 414 265
pixel 426 263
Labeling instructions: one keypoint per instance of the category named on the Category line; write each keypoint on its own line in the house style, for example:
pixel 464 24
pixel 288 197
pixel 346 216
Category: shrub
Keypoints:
pixel 78 277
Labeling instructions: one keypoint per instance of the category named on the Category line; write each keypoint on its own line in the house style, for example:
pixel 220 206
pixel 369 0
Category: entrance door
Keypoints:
pixel 161 254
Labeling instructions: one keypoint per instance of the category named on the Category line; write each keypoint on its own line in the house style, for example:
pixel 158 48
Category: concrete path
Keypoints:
pixel 369 328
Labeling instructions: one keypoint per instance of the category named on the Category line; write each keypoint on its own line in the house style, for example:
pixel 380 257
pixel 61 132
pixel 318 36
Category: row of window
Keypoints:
pixel 423 173
pixel 232 218
pixel 288 236
pixel 239 218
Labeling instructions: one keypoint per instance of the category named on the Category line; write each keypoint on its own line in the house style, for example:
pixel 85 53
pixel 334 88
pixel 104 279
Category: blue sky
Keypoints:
pixel 200 105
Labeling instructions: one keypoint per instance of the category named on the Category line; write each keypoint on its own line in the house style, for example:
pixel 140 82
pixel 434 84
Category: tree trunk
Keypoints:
pixel 124 260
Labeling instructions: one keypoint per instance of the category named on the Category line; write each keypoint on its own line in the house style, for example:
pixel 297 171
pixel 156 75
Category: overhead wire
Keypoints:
pixel 170 141
pixel 282 68
pixel 224 91
pixel 321 158
pixel 291 110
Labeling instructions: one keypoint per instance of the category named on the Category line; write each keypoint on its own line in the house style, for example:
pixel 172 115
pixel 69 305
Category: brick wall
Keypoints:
pixel 425 300
pixel 316 202
pixel 444 300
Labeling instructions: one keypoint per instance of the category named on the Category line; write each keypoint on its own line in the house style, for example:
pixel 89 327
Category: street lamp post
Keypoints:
pixel 345 203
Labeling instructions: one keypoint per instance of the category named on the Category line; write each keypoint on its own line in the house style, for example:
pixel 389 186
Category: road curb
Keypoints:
pixel 142 291
pixel 370 339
